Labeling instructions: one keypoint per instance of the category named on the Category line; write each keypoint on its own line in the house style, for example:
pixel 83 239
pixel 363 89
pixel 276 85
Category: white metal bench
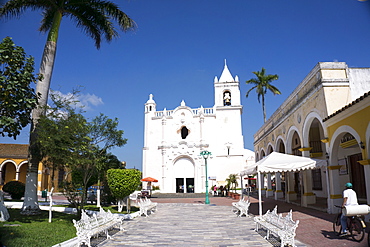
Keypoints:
pixel 241 207
pixel 283 227
pixel 147 206
pixel 92 226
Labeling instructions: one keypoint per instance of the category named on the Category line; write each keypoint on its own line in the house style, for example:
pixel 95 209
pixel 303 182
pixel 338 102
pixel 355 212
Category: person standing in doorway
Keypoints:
pixel 349 199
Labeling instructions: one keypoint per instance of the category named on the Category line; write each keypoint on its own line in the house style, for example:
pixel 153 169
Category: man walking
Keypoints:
pixel 349 199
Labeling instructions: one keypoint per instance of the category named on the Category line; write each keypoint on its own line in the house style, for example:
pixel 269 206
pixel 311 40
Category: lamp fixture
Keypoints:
pixel 362 145
pixel 205 154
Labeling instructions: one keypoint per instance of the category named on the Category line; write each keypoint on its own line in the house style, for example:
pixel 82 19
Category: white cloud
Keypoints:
pixel 90 99
pixel 86 101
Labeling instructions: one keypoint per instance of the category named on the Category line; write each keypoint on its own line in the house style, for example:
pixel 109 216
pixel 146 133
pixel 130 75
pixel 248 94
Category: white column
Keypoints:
pixel 308 197
pixel 260 184
pixel 367 181
pixel 164 171
pixel 367 185
pixel 278 192
pixel 291 194
pixel 336 188
pixel 259 175
pixel 163 144
pixel 269 191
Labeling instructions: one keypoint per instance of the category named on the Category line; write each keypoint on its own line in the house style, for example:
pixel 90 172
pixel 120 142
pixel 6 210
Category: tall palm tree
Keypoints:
pixel 95 18
pixel 232 181
pixel 262 84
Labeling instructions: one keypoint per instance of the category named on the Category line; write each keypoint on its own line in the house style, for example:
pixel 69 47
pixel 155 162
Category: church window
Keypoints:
pixel 184 132
pixel 227 98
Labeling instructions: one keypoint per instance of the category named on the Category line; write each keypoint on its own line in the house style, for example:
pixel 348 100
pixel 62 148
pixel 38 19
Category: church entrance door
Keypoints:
pixel 190 185
pixel 179 185
pixel 184 175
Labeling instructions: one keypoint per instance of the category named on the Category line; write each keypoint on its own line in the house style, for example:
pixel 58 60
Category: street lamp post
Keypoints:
pixel 205 155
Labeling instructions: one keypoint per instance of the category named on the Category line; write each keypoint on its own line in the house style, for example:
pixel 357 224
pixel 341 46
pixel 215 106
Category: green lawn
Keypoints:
pixel 36 231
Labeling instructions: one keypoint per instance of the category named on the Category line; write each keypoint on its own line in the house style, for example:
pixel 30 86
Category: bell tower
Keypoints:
pixel 227 91
pixel 228 110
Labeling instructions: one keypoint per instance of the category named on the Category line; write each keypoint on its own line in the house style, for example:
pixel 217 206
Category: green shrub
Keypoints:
pixel 155 187
pixel 16 189
pixel 122 182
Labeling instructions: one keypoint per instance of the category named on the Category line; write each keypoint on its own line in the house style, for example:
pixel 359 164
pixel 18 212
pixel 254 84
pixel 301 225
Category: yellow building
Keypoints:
pixel 14 163
pixel 326 117
pixel 348 132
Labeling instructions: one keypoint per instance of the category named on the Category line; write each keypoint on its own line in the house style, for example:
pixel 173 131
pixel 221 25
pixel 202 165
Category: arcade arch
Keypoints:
pixel 346 151
pixel 280 146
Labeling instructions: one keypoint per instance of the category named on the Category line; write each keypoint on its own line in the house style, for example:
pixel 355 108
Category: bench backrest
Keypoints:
pixel 289 224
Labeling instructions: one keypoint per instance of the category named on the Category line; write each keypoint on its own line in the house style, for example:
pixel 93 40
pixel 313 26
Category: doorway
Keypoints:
pixel 190 185
pixel 179 185
pixel 357 175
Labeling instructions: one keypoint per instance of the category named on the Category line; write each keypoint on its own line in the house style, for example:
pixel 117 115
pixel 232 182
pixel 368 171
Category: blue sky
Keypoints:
pixel 180 46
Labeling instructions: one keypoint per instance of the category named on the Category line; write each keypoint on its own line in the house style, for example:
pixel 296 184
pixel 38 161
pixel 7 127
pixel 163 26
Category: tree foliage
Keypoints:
pixel 232 181
pixel 68 140
pixel 122 182
pixel 17 97
pixel 98 19
pixel 262 84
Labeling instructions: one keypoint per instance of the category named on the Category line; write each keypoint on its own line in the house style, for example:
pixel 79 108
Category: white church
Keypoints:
pixel 174 139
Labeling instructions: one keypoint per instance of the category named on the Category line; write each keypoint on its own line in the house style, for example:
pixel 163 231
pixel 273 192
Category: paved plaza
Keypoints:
pixel 187 224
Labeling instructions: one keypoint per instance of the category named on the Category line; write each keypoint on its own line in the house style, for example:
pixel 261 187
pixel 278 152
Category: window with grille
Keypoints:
pixel 316 179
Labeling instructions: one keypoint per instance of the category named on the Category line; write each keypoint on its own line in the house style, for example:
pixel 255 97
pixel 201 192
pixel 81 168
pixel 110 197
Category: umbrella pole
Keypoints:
pixel 259 193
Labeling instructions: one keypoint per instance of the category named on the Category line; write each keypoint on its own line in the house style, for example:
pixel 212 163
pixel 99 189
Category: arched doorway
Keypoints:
pixel 184 175
pixel 8 172
pixel 280 147
pixel 315 135
pixel 349 153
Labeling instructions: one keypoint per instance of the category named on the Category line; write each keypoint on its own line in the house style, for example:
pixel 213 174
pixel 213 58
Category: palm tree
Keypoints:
pixel 262 84
pixel 232 181
pixel 95 18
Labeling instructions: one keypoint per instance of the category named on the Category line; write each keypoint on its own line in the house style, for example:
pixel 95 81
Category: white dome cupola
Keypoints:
pixel 150 105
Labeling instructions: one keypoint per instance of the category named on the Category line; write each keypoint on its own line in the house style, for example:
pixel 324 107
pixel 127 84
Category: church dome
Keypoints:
pixel 150 100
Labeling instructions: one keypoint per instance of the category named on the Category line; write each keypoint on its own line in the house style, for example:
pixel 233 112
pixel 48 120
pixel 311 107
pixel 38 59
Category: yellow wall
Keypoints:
pixel 359 121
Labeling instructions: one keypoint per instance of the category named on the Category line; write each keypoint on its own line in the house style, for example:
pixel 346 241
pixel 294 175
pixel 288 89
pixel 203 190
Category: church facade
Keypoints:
pixel 174 139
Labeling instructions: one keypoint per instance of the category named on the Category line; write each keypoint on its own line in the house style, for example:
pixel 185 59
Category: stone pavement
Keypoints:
pixel 314 230
pixel 189 224
pixel 186 222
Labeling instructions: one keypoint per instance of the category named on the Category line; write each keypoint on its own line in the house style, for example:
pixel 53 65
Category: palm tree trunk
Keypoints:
pixel 263 109
pixel 30 203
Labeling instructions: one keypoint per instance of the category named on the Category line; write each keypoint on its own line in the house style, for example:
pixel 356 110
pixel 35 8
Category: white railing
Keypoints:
pixel 206 111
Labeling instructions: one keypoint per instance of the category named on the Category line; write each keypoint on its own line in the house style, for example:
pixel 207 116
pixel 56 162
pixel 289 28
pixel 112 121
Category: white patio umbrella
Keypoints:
pixel 278 162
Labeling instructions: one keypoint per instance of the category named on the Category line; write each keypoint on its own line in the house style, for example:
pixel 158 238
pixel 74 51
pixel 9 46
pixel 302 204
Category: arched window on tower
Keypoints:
pixel 184 132
pixel 227 98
